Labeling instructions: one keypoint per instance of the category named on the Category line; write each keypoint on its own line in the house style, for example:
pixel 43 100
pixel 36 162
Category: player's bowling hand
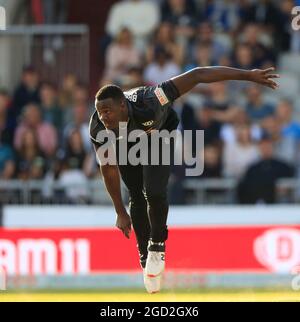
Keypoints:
pixel 264 77
pixel 124 223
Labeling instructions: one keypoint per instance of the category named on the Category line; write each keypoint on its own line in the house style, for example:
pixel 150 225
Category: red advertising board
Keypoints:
pixel 87 251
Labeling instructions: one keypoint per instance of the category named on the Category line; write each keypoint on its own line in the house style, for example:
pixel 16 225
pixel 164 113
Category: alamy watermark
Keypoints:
pixel 161 147
pixel 2 18
pixel 296 19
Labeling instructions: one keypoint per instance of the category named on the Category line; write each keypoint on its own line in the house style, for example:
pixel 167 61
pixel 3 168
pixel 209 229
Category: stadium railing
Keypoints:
pixel 93 191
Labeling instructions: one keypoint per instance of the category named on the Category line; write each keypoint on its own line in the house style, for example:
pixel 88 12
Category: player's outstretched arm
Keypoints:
pixel 185 82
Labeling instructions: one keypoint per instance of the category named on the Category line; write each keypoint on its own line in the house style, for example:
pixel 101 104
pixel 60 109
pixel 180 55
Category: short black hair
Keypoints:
pixel 110 91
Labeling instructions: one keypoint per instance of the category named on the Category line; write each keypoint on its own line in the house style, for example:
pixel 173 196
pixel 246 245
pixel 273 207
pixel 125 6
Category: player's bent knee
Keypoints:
pixel 158 197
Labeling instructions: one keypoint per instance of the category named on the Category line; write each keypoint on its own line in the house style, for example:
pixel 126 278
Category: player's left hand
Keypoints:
pixel 264 77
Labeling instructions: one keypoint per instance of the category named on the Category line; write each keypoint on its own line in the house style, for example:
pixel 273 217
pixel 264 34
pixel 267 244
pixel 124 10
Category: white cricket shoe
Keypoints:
pixel 152 284
pixel 155 263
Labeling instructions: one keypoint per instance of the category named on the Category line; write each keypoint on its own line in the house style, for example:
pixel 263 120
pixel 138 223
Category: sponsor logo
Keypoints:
pixel 278 249
pixel 131 96
pixel 161 96
pixel 45 256
pixel 149 123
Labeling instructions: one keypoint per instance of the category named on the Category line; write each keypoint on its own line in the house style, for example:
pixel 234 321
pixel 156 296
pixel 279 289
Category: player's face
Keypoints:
pixel 109 113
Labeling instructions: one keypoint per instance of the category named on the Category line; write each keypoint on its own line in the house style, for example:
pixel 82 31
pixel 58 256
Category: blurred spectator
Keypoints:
pixel 284 114
pixel 239 118
pixel 7 161
pixel 263 12
pixel 243 57
pixel 51 112
pixel 80 97
pixel 74 183
pixel 75 155
pixel 80 123
pixel 212 162
pixel 31 162
pixel 285 147
pixel 67 89
pixel 120 55
pixel 274 17
pixel 162 69
pixel 185 114
pixel 224 15
pixel 221 102
pixel 139 16
pixel 256 108
pixel 45 133
pixel 203 57
pixel 205 35
pixel 204 120
pixel 134 78
pixel 165 37
pixel 238 155
pixel 260 44
pixel 7 121
pixel 28 91
pixel 219 96
pixel 183 15
pixel 258 184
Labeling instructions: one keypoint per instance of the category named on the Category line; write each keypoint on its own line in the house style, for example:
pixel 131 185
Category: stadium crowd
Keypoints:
pixel 251 134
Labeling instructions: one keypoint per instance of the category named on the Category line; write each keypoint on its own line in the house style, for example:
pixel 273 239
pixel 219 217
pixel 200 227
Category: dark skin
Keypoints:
pixel 111 112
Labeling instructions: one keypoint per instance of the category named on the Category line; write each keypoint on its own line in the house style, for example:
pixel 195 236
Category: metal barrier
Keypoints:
pixel 43 192
pixel 204 191
pixel 220 190
pixel 68 52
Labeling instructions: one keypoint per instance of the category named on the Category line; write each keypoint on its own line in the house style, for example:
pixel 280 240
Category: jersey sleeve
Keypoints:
pixel 159 99
pixel 162 95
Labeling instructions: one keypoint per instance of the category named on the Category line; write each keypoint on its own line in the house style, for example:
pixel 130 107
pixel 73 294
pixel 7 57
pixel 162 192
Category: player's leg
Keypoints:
pixel 133 179
pixel 132 176
pixel 156 182
pixel 156 179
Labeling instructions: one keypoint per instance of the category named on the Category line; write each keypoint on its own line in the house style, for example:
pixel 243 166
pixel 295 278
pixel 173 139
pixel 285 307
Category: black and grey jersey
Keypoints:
pixel 149 108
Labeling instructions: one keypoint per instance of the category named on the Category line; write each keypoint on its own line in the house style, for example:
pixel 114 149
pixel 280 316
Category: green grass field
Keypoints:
pixel 141 296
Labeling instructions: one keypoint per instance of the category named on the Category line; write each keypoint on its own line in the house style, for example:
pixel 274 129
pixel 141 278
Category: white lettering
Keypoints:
pixel 296 19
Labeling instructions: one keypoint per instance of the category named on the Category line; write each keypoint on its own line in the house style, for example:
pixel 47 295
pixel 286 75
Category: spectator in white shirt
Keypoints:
pixel 120 55
pixel 140 16
pixel 161 69
pixel 238 155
